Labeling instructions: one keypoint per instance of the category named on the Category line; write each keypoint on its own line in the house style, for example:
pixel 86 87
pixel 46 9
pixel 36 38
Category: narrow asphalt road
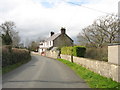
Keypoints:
pixel 42 72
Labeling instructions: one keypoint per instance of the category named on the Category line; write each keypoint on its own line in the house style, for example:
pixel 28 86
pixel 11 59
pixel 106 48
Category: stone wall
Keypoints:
pixel 66 57
pixel 103 68
pixel 51 54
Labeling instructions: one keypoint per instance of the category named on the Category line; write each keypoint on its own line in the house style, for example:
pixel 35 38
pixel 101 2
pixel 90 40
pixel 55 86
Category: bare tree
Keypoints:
pixel 9 27
pixel 34 46
pixel 92 36
pixel 15 38
pixel 109 25
pixel 103 31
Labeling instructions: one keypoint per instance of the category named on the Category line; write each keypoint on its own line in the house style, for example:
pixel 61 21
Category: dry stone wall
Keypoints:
pixel 51 54
pixel 103 68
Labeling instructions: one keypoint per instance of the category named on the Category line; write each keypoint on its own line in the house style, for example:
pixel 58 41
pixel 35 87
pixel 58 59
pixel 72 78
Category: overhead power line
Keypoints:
pixel 89 8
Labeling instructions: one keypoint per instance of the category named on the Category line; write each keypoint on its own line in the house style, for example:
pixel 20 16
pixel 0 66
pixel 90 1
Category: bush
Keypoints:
pixel 78 51
pixel 66 50
pixel 13 56
pixel 97 53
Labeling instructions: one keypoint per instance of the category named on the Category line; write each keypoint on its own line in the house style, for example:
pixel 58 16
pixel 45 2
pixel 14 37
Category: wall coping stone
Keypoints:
pixel 113 44
pixel 97 61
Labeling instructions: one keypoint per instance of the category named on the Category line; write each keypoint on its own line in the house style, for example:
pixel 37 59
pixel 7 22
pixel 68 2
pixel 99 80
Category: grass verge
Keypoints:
pixel 94 80
pixel 12 67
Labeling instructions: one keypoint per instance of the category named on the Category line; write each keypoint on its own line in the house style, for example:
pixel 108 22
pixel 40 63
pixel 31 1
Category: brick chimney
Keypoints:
pixel 51 33
pixel 63 30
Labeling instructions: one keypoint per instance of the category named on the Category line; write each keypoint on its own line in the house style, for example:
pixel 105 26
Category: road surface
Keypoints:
pixel 42 72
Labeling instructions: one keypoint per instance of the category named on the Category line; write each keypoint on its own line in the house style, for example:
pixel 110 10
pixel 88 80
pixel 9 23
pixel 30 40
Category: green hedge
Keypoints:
pixel 78 51
pixel 97 53
pixel 66 50
pixel 12 56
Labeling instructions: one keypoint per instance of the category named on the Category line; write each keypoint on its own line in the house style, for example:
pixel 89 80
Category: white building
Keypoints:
pixel 55 40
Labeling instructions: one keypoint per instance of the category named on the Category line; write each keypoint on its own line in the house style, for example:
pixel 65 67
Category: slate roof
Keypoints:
pixel 53 37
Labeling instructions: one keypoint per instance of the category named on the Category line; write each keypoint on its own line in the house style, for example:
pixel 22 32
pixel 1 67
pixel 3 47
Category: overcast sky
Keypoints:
pixel 37 18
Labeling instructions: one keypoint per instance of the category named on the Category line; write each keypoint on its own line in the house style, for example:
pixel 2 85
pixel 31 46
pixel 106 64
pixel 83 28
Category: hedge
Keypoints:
pixel 12 56
pixel 78 51
pixel 97 53
pixel 66 50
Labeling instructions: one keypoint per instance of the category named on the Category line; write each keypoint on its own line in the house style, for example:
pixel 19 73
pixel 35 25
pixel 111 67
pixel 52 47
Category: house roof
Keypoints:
pixel 53 37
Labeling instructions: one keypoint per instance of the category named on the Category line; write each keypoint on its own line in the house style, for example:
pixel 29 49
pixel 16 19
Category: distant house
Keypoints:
pixel 56 40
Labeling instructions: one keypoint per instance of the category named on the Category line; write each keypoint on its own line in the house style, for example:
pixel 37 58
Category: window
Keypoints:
pixel 41 44
pixel 50 43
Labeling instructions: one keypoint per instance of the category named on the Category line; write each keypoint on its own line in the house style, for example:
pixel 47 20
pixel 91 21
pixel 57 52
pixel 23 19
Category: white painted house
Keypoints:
pixel 45 45
pixel 56 40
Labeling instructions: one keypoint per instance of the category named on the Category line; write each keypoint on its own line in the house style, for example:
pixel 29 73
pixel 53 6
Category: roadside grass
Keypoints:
pixel 94 80
pixel 12 67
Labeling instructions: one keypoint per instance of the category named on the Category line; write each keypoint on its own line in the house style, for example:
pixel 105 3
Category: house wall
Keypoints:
pixel 50 43
pixel 62 40
pixel 44 44
pixel 41 50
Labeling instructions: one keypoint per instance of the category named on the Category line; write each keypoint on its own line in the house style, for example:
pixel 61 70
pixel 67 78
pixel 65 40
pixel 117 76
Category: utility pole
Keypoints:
pixel 72 53
pixel 0 53
pixel 119 22
pixel 119 9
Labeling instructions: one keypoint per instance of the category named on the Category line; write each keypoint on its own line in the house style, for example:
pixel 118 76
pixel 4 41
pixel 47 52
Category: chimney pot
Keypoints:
pixel 52 33
pixel 63 30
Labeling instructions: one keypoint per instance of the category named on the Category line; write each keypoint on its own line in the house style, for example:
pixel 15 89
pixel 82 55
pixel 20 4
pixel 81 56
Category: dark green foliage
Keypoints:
pixel 7 40
pixel 87 52
pixel 13 56
pixel 78 51
pixel 12 67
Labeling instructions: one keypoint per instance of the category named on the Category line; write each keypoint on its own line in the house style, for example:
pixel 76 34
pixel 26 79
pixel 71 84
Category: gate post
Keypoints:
pixel 113 54
pixel 114 49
